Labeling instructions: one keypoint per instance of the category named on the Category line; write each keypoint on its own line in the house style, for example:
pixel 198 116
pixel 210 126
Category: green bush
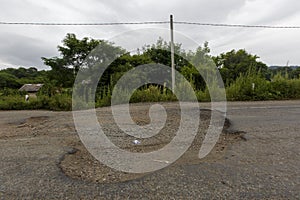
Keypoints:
pixel 203 96
pixel 145 94
pixel 250 87
pixel 279 88
pixel 17 102
pixel 284 88
pixel 60 102
pixel 242 89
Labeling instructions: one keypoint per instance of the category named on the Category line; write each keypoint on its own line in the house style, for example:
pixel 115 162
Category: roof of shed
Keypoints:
pixel 31 87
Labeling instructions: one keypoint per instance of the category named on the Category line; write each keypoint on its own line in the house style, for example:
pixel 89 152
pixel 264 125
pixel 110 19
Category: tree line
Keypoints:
pixel 236 68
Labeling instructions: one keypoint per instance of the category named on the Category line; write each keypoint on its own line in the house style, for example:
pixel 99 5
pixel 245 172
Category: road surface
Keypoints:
pixel 265 165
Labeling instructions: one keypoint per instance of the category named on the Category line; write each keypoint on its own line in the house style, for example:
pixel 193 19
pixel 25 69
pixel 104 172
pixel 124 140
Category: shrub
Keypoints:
pixel 250 87
pixel 60 102
pixel 17 102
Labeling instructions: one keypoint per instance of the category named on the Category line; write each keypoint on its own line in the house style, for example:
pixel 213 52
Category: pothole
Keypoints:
pixel 80 164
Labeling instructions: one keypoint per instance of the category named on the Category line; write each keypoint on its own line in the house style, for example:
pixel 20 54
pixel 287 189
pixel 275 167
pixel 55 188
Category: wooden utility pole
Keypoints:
pixel 172 54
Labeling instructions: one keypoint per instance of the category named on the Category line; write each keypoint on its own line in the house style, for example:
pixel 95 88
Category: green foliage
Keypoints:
pixel 184 90
pixel 203 95
pixel 145 94
pixel 21 72
pixel 74 55
pixel 295 74
pixel 235 63
pixel 287 72
pixel 277 89
pixel 249 87
pixel 200 68
pixel 152 94
pixel 284 88
pixel 245 77
pixel 161 53
pixel 104 101
pixel 15 78
pixel 58 102
pixel 8 81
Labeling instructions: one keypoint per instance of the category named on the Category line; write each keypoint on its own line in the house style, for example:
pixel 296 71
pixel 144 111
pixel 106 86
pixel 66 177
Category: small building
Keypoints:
pixel 31 89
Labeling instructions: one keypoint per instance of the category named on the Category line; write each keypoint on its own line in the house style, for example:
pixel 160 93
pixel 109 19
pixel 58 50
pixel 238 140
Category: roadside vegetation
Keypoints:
pixel 244 76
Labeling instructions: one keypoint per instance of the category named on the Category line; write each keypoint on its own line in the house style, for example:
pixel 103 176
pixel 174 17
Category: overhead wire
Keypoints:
pixel 150 23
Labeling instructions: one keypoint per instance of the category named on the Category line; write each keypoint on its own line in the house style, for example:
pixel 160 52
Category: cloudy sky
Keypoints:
pixel 25 45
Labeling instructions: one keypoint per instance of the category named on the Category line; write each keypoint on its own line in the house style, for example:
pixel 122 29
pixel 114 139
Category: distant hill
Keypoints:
pixel 274 67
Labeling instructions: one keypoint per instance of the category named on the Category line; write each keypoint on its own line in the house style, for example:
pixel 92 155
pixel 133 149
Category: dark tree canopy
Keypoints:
pixel 161 53
pixel 72 55
pixel 234 63
pixel 15 78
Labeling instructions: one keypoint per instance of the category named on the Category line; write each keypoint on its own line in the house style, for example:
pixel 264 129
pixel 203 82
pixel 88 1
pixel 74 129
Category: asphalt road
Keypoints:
pixel 265 166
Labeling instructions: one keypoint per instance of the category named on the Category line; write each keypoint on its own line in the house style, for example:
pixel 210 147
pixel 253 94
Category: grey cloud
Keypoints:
pixel 23 51
pixel 22 45
pixel 213 10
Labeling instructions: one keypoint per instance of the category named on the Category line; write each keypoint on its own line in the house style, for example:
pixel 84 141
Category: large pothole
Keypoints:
pixel 78 163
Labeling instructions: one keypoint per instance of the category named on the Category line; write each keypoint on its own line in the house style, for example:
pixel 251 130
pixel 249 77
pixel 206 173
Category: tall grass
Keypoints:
pixel 255 87
pixel 252 86
pixel 17 102
pixel 146 94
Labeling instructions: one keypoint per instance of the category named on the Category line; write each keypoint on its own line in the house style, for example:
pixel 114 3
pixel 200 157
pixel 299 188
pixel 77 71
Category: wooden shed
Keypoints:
pixel 32 89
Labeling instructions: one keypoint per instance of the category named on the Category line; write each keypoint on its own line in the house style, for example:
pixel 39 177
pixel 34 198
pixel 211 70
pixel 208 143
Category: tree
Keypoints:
pixel 22 72
pixel 161 53
pixel 14 78
pixel 123 64
pixel 200 61
pixel 295 73
pixel 235 63
pixel 8 81
pixel 73 54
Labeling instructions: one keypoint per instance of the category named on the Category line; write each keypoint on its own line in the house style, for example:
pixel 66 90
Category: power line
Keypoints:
pixel 82 24
pixel 238 25
pixel 149 23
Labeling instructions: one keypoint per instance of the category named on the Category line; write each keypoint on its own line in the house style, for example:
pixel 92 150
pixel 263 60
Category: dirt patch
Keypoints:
pixel 77 162
pixel 80 164
pixel 27 127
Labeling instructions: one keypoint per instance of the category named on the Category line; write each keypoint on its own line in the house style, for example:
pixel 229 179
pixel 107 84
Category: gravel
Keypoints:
pixel 41 157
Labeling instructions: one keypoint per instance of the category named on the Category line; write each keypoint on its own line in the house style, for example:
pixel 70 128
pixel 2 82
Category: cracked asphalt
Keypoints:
pixel 265 165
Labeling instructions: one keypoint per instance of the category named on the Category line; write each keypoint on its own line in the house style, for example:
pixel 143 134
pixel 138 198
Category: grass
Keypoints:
pixel 251 87
pixel 17 102
pixel 254 87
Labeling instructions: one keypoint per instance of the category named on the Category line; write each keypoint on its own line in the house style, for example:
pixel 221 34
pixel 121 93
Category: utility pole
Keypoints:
pixel 172 54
